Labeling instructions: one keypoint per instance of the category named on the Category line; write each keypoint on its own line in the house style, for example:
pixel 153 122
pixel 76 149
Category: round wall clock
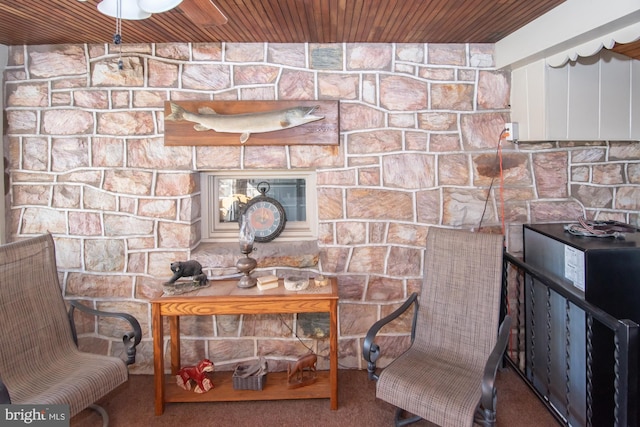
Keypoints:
pixel 265 214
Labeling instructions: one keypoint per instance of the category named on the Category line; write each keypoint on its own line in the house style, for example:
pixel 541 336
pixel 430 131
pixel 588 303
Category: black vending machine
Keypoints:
pixel 605 271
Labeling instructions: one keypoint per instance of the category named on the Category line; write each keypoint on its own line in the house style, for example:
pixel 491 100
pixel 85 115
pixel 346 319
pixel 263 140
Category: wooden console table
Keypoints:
pixel 224 297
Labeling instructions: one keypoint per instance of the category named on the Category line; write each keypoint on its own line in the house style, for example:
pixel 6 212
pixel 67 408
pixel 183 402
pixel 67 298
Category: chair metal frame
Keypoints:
pixel 485 413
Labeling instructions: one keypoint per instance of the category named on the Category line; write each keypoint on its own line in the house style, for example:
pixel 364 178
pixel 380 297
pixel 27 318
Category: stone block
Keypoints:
pixel 104 255
pixel 330 203
pixel 359 117
pixel 494 90
pixel 293 55
pixel 107 72
pixel 356 319
pixel 151 153
pixel 94 198
pixel 295 84
pixel 368 259
pixel 113 327
pixel 174 235
pixel 325 56
pixel 446 54
pixel 176 184
pixel 550 170
pixel 608 174
pixel 338 86
pixel 27 95
pixel 255 74
pixel 351 233
pixel 407 234
pixel 379 204
pixel 206 76
pixel 31 195
pixel 124 225
pixel 43 220
pixel 316 156
pixel 46 61
pixel 85 224
pixel 379 141
pixel 550 211
pixel 627 198
pixel 453 169
pixel 206 51
pixel 464 208
pixel 408 171
pixel 236 349
pixel 126 123
pixel 369 56
pixel 593 196
pixel 438 122
pixel 69 153
pixel 21 122
pixel 448 96
pixel 163 74
pixel 404 262
pixel 384 289
pixel 334 259
pixel 91 99
pixel 98 286
pixel 128 181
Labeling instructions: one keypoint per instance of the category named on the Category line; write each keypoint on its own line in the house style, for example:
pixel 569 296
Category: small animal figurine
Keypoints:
pixel 308 361
pixel 184 269
pixel 196 374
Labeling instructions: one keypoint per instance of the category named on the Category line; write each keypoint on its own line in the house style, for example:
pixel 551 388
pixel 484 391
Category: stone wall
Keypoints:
pixel 419 129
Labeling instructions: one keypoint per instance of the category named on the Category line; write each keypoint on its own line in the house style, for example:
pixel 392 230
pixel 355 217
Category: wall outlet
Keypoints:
pixel 511 131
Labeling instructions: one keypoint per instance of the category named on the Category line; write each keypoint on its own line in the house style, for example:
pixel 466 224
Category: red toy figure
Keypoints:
pixel 196 374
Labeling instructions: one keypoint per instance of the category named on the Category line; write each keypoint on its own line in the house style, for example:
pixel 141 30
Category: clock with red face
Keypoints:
pixel 266 216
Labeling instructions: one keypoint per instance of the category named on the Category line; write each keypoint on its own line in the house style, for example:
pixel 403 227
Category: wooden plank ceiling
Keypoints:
pixel 282 21
pixel 35 22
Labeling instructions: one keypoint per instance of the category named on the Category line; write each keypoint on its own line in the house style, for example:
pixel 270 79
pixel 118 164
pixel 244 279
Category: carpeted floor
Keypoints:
pixel 132 405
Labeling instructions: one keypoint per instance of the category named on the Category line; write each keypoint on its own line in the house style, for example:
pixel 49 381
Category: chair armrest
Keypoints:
pixel 130 339
pixel 488 399
pixel 5 399
pixel 370 350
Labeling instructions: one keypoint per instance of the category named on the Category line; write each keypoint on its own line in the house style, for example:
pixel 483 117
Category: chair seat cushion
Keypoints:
pixel 78 380
pixel 433 387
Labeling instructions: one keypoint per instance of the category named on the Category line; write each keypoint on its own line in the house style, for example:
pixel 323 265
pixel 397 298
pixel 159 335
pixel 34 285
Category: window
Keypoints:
pixel 226 193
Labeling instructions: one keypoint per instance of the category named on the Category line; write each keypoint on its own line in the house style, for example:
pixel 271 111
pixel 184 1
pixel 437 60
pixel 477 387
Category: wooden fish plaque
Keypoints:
pixel 251 123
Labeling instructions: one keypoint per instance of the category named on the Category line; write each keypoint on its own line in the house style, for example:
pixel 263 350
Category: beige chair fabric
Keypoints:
pixel 39 360
pixel 439 378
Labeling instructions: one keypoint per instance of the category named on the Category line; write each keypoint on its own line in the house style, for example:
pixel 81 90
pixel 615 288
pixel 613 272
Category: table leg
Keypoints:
pixel 174 334
pixel 158 357
pixel 333 353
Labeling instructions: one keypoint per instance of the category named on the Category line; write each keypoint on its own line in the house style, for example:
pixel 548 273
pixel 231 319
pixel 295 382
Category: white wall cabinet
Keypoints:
pixel 594 98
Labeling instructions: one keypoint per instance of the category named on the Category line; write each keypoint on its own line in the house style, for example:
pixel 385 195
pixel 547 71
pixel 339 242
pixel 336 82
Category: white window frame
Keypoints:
pixel 215 231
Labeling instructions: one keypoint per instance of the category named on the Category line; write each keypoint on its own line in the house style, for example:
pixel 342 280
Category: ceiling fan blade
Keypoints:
pixel 203 12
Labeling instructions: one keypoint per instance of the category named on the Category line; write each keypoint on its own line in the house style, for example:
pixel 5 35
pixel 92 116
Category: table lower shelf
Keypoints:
pixel 275 388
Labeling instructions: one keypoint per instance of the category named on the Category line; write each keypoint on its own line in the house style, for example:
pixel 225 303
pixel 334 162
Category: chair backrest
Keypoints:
pixel 35 329
pixel 460 298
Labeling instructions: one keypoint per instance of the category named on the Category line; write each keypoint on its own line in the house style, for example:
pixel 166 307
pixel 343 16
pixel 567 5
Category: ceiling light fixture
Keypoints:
pixel 123 9
pixel 158 6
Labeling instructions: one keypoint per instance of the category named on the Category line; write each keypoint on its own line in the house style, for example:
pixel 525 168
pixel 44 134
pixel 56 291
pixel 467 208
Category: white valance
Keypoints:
pixel 627 34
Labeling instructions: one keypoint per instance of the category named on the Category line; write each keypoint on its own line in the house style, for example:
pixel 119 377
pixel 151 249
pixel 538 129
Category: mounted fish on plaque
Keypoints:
pixel 251 123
